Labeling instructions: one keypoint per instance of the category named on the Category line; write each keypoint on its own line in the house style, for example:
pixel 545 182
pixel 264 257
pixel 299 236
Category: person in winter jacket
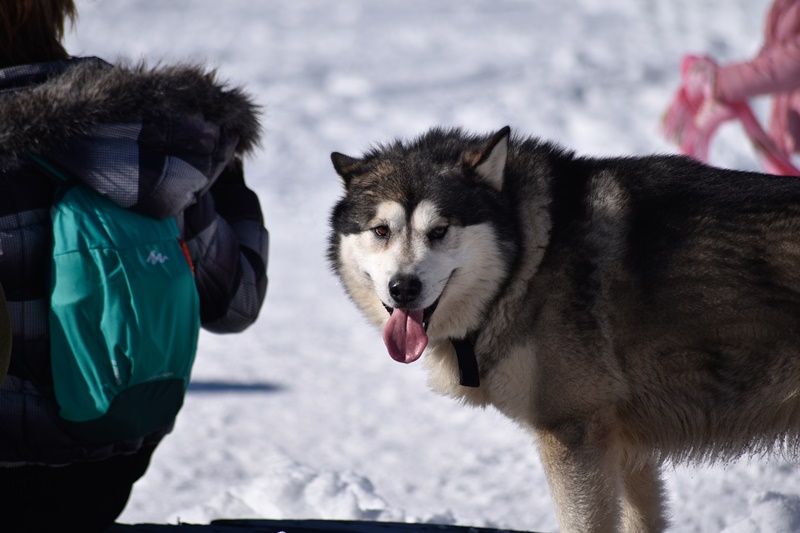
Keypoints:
pixel 774 71
pixel 166 141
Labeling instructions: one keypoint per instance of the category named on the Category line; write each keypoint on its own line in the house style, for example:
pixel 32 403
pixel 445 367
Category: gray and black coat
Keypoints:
pixel 165 142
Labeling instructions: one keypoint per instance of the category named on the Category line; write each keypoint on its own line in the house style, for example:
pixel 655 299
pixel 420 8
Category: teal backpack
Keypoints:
pixel 124 316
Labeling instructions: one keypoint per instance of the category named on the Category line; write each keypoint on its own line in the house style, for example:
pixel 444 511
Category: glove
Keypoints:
pixel 198 216
pixel 234 201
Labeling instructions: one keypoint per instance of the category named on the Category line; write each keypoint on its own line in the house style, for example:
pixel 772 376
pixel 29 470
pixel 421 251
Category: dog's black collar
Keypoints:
pixel 468 373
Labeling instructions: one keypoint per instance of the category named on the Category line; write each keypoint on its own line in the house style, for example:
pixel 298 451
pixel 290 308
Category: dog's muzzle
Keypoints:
pixel 404 290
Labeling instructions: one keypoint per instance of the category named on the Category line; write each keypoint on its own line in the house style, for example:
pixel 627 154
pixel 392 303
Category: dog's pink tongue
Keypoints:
pixel 405 335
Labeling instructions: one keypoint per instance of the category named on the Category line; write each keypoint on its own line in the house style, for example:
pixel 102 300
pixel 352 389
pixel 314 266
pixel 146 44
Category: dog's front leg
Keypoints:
pixel 584 475
pixel 642 501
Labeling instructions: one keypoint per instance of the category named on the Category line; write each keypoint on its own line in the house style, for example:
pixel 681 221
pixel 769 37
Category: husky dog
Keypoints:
pixel 626 311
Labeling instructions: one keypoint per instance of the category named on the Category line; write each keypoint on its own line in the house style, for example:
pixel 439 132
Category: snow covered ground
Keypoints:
pixel 305 415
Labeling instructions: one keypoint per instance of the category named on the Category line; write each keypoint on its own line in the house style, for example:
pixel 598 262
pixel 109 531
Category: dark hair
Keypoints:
pixel 31 30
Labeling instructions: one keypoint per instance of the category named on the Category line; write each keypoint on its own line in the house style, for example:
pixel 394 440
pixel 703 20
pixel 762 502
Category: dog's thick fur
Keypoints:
pixel 627 311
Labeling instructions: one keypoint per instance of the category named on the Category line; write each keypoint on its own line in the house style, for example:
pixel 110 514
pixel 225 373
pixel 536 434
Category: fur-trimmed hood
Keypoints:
pixel 72 97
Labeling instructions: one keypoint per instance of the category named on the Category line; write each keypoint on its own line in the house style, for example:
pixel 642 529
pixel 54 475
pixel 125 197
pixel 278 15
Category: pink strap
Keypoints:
pixel 772 159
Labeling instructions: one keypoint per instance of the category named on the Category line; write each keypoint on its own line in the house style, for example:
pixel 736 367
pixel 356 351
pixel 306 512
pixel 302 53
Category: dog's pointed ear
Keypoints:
pixel 489 162
pixel 346 167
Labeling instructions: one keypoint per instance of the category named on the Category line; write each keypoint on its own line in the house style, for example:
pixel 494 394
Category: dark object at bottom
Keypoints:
pixel 302 526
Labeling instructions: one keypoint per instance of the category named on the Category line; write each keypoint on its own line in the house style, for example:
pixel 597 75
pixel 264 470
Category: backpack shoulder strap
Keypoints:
pixel 49 169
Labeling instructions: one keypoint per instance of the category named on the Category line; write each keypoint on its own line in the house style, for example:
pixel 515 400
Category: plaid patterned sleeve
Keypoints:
pixel 230 259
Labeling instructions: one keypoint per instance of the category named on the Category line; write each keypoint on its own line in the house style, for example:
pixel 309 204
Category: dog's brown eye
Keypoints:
pixel 381 231
pixel 438 233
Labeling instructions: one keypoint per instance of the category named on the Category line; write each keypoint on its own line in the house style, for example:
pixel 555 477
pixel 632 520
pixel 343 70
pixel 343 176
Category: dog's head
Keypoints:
pixel 422 238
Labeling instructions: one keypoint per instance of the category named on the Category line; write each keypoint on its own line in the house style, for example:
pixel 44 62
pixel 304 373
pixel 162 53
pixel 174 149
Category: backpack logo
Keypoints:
pixel 156 258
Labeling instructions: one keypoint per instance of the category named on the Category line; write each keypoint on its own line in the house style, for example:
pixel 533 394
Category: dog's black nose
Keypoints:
pixel 404 289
